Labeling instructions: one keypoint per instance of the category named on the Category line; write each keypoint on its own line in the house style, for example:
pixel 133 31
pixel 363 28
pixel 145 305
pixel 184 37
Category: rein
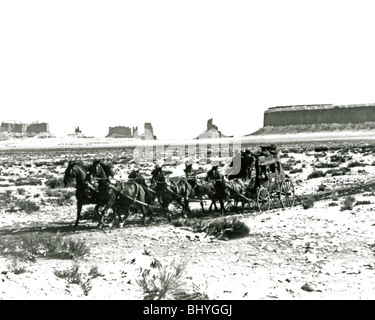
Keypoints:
pixel 167 187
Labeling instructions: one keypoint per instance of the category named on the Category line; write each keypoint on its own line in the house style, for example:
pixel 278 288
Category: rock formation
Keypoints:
pixel 148 133
pixel 127 132
pixel 78 134
pixel 313 114
pixel 120 132
pixel 211 126
pixel 19 129
pixel 211 132
pixel 321 117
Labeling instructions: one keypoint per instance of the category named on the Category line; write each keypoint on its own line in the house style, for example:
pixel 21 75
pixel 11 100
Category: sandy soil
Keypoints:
pixel 318 253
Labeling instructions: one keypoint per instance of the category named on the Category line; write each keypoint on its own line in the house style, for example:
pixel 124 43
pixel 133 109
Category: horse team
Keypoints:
pixel 95 185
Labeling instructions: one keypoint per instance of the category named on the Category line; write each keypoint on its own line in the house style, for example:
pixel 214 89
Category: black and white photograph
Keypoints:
pixel 202 151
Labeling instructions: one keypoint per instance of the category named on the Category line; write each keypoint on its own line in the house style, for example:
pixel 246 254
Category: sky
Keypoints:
pixel 96 64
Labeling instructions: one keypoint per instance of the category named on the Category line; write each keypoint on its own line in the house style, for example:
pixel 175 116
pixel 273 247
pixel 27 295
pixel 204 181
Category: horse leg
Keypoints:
pixel 149 212
pixel 164 206
pixel 183 208
pixel 202 206
pixel 167 214
pixel 127 213
pixel 79 210
pixel 187 208
pixel 222 207
pixel 213 203
pixel 116 208
pixel 101 218
pixel 144 212
pixel 235 205
pixel 124 209
pixel 96 210
pixel 103 215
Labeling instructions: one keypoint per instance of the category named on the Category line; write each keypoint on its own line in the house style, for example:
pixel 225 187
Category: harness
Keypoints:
pixel 126 196
pixel 167 187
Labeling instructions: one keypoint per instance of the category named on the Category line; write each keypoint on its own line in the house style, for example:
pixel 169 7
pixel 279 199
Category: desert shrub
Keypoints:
pixel 26 205
pixel 59 163
pixel 316 174
pixel 321 149
pixel 326 165
pixel 21 191
pixel 338 172
pixel 31 246
pixel 308 203
pixel 71 275
pixel 61 202
pixel 295 150
pixel 287 166
pixel 27 182
pixel 15 267
pixel 76 249
pixel 348 203
pixel 356 164
pixel 320 155
pixel 42 163
pixel 322 187
pixel 6 196
pixel 227 228
pixel 55 183
pixel 61 197
pixel 197 225
pixel 337 158
pixel 358 203
pixel 221 228
pixel 296 170
pixel 58 246
pixel 53 193
pixel 169 283
pixel 333 204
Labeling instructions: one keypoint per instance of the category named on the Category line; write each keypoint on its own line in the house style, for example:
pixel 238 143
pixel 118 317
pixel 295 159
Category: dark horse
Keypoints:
pixel 166 192
pixel 107 193
pixel 149 193
pixel 201 188
pixel 119 196
pixel 85 191
pixel 226 190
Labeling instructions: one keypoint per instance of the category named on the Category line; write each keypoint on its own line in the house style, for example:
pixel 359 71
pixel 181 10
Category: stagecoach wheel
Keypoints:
pixel 287 193
pixel 263 199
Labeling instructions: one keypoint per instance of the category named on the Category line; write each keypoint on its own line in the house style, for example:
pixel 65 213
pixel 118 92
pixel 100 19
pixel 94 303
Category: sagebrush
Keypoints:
pixel 170 283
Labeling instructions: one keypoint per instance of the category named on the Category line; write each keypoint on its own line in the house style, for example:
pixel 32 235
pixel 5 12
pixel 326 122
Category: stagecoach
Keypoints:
pixel 268 183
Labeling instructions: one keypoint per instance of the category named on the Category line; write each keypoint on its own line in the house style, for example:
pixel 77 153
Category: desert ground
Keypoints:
pixel 322 249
